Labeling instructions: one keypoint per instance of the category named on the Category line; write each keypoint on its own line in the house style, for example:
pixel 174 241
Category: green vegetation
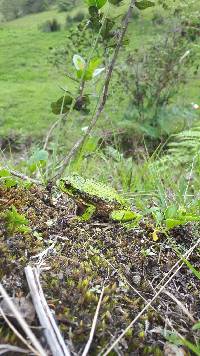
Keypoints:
pixel 108 90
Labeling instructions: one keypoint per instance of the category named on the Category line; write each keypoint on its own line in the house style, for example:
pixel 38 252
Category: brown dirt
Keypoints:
pixel 86 255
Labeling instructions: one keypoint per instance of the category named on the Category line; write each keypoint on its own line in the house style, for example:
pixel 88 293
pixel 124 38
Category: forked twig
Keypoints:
pixel 51 330
pixel 22 322
pixel 94 323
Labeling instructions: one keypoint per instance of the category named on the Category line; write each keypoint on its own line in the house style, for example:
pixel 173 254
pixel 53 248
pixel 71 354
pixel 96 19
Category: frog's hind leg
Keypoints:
pixel 88 213
pixel 124 216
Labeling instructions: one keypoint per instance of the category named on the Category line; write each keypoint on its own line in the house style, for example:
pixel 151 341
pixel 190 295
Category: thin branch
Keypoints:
pixel 38 348
pixel 94 323
pixel 51 330
pixel 23 177
pixel 11 348
pixel 53 126
pixel 80 89
pixel 16 332
pixel 103 99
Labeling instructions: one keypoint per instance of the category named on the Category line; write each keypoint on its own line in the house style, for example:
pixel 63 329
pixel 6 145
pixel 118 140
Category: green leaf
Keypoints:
pixel 79 62
pixel 171 223
pixel 95 18
pixel 62 105
pixel 94 63
pixel 181 220
pixel 191 267
pixel 196 326
pixel 106 28
pixel 37 160
pixel 82 103
pixel 144 4
pixel 171 212
pixel 8 180
pixel 97 72
pixel 4 173
pixel 98 3
pixel 15 221
pixel 93 11
pixel 91 71
pixel 39 156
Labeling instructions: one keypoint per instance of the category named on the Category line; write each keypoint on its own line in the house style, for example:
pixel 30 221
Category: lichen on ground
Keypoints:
pixel 82 257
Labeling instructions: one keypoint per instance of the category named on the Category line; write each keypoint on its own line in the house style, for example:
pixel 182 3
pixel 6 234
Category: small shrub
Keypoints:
pixel 154 78
pixel 50 26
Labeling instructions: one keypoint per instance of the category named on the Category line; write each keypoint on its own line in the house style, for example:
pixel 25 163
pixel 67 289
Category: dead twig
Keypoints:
pixel 94 323
pixel 23 177
pixel 4 348
pixel 51 330
pixel 25 327
pixel 104 96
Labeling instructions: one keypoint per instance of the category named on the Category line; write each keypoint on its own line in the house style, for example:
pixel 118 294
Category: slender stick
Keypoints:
pixel 94 323
pixel 4 348
pixel 39 349
pixel 16 332
pixel 103 99
pixel 24 177
pixel 51 330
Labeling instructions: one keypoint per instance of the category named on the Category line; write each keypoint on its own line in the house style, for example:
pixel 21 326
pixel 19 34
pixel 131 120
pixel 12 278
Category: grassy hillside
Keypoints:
pixel 29 82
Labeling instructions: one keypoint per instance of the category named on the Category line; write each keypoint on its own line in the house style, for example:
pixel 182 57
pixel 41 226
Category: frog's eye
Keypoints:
pixel 70 189
pixel 67 185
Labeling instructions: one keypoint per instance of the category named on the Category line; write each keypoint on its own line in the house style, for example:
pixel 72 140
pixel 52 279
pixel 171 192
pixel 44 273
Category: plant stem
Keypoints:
pixel 78 145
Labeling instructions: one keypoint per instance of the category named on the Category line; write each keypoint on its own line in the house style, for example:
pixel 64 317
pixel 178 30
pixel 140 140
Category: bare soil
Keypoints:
pixel 76 259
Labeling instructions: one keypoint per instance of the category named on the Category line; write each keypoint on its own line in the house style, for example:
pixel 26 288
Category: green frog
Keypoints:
pixel 96 199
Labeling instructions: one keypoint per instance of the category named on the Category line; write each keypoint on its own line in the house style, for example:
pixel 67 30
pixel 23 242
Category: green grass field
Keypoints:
pixel 29 82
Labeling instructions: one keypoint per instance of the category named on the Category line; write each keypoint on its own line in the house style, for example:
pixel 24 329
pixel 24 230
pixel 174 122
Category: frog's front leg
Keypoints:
pixel 88 212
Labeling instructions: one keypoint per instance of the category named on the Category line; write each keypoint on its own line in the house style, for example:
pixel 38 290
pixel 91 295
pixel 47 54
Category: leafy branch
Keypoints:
pixel 78 145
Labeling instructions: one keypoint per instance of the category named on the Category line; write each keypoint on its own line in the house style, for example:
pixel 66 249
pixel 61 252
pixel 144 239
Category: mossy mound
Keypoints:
pixel 77 259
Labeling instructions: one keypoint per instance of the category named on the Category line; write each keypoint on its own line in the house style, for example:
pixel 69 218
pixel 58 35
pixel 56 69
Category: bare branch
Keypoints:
pixel 6 348
pixel 94 323
pixel 23 177
pixel 51 330
pixel 38 348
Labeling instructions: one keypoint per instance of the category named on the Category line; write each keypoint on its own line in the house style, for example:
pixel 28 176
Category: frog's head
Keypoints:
pixel 70 184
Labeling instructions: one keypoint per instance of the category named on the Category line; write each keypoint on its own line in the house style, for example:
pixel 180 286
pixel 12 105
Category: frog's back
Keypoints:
pixel 95 190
